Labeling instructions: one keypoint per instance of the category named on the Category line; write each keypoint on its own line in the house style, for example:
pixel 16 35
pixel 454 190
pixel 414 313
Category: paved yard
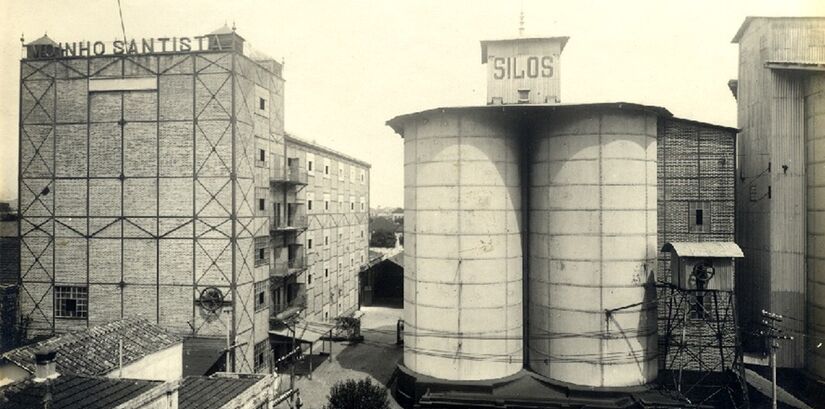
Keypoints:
pixel 375 358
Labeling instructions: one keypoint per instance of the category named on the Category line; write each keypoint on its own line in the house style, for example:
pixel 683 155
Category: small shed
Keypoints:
pixel 702 265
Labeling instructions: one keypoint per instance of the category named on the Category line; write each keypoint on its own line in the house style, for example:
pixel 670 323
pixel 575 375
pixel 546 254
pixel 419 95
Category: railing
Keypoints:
pixel 281 173
pixel 279 269
pixel 290 223
pixel 298 261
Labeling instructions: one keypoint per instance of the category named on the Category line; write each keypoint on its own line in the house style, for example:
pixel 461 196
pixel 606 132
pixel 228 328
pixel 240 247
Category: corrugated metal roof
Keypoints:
pixel 213 392
pixel 95 351
pixel 74 392
pixel 305 331
pixel 749 20
pixel 705 249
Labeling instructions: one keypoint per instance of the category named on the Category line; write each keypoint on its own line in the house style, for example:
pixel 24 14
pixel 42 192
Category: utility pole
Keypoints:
pixel 773 334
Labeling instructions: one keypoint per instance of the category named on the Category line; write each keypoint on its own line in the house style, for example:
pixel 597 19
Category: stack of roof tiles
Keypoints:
pixel 73 392
pixel 96 351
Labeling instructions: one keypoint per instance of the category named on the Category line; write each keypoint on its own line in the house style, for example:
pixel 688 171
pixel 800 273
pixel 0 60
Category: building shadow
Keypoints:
pixel 376 356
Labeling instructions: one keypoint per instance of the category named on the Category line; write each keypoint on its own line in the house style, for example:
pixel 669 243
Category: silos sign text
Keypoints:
pixel 522 67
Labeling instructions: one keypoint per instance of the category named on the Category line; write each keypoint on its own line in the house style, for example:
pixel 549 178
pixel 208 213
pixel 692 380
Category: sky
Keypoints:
pixel 352 65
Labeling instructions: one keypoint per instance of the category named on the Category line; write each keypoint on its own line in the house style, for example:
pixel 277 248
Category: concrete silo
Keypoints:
pixel 463 261
pixel 592 223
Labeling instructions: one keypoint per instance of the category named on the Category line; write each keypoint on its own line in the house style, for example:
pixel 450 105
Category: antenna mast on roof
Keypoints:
pixel 521 21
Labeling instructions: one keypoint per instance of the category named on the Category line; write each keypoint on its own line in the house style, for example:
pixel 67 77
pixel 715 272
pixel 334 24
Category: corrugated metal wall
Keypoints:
pixel 771 194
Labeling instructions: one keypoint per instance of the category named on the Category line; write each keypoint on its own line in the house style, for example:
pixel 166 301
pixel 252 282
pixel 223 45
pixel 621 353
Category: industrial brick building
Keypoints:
pixel 156 179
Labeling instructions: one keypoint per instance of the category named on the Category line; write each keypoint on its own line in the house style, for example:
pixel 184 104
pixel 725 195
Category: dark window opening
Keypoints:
pixel 326 272
pixel 261 204
pixel 71 302
pixel 262 104
pixel 262 155
pixel 309 204
pixel 261 254
pixel 309 166
pixel 699 217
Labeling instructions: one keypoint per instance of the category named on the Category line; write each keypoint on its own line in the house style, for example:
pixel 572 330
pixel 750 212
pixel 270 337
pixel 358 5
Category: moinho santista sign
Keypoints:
pixel 121 47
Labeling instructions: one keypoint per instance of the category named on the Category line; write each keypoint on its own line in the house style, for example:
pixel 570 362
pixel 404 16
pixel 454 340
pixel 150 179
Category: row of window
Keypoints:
pixel 362 203
pixel 340 268
pixel 342 174
pixel 73 301
pixel 311 243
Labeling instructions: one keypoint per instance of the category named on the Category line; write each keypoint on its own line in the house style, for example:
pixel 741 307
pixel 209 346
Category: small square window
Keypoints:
pixel 326 169
pixel 326 272
pixel 261 155
pixel 326 240
pixel 262 104
pixel 260 294
pixel 699 217
pixel 261 244
pixel 309 243
pixel 309 166
pixel 326 204
pixel 309 204
pixel 261 204
pixel 71 302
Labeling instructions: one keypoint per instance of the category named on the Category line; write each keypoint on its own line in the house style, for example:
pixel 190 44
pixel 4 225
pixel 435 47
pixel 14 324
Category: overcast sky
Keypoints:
pixel 352 65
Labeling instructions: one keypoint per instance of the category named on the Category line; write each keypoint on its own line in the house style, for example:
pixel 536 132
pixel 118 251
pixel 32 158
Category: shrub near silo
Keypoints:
pixel 360 394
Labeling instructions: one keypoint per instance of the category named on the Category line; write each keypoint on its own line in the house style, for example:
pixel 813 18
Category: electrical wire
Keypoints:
pixel 122 25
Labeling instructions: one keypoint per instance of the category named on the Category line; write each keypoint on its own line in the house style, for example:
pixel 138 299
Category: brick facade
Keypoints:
pixel 144 197
pixel 696 169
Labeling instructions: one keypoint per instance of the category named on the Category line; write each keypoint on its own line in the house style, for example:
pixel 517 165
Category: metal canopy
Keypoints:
pixel 305 331
pixel 704 249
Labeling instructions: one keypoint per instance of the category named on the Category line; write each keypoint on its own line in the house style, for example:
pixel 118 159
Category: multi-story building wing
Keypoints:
pixel 333 207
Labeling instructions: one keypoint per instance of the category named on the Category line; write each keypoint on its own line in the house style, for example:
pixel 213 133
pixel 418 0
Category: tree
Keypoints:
pixel 360 394
pixel 382 239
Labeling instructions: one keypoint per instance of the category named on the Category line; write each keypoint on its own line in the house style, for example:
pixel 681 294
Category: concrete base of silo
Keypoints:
pixel 522 390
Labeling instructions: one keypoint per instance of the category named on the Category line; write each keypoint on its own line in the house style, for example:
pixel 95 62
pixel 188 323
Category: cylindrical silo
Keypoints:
pixel 815 260
pixel 463 257
pixel 592 223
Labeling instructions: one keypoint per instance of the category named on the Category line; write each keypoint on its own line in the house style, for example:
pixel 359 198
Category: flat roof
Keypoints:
pixel 748 20
pixel 395 123
pixel 485 43
pixel 292 138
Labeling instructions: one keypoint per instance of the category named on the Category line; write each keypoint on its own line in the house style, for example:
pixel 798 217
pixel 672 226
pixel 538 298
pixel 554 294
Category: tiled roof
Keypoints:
pixel 95 351
pixel 74 392
pixel 199 392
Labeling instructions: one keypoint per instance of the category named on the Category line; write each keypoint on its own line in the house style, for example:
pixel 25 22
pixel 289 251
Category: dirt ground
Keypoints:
pixel 375 357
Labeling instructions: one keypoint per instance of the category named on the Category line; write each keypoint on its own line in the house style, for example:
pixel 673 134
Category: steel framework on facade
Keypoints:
pixel 702 352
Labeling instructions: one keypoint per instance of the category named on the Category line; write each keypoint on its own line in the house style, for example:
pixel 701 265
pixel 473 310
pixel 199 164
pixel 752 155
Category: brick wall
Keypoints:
pixel 696 164
pixel 132 193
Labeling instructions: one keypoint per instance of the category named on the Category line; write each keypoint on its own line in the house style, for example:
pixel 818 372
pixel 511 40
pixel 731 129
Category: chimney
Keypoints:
pixel 45 367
